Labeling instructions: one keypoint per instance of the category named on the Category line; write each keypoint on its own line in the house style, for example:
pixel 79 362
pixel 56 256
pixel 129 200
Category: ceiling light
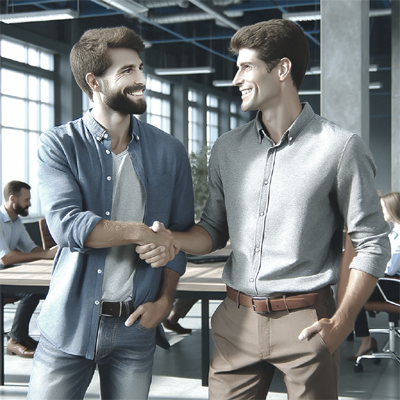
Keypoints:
pixel 317 70
pixel 303 16
pixel 129 7
pixel 222 83
pixel 184 71
pixel 316 15
pixel 375 85
pixel 372 86
pixel 38 16
pixel 309 92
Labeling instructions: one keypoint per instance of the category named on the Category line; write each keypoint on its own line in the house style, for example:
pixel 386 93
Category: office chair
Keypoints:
pixel 47 241
pixel 389 349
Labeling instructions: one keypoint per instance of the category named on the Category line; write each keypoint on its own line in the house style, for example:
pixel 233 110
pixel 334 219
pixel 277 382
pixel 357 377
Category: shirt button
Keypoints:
pixel 97 302
pixel 107 151
pixel 257 249
pixel 109 178
pixel 261 213
pixel 105 136
pixel 107 212
pixel 251 280
pixel 290 139
pixel 266 183
pixel 99 271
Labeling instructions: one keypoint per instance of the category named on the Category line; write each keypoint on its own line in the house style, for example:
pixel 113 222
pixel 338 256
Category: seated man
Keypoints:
pixel 17 247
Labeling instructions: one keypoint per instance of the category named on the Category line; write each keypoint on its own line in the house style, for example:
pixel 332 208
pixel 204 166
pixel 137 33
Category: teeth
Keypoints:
pixel 247 91
pixel 138 93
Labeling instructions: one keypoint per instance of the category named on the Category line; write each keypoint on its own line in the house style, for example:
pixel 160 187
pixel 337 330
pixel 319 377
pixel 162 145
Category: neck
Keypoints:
pixel 278 117
pixel 117 127
pixel 396 225
pixel 10 211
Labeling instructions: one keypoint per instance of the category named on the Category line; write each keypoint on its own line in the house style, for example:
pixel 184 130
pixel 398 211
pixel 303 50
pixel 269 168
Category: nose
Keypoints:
pixel 237 80
pixel 141 78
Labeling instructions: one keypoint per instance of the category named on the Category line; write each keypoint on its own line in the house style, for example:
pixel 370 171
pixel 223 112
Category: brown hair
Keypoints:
pixel 90 53
pixel 13 188
pixel 274 40
pixel 392 204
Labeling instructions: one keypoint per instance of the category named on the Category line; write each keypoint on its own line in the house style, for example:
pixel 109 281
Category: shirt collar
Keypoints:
pixel 4 214
pixel 294 130
pixel 97 131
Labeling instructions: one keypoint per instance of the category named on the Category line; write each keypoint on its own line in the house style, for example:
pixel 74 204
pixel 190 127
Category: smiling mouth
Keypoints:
pixel 245 92
pixel 137 93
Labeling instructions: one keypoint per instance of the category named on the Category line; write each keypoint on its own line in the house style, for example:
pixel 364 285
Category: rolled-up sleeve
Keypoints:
pixel 61 197
pixel 360 206
pixel 182 207
pixel 214 219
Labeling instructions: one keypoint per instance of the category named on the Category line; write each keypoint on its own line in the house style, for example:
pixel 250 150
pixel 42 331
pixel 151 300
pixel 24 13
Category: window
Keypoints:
pixel 159 104
pixel 195 133
pixel 234 116
pixel 27 109
pixel 212 120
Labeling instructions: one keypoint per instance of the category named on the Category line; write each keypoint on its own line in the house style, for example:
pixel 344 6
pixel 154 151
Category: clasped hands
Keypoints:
pixel 163 249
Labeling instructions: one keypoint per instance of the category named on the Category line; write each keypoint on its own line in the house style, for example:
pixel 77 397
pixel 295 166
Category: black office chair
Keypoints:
pixel 386 305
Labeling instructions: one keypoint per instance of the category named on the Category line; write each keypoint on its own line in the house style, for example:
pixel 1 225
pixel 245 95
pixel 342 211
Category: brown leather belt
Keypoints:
pixel 268 305
pixel 116 309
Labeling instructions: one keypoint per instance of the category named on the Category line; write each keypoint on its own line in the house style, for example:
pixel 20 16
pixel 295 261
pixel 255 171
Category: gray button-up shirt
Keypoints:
pixel 284 206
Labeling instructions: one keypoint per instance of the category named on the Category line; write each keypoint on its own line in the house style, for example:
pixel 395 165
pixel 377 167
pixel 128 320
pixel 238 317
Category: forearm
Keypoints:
pixel 17 257
pixel 169 282
pixel 116 233
pixel 195 241
pixel 358 290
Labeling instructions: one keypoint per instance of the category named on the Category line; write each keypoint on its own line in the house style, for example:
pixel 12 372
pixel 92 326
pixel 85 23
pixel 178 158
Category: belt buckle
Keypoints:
pixel 110 315
pixel 261 298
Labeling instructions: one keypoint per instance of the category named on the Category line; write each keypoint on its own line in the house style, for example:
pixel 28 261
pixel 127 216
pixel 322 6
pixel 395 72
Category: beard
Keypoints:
pixel 123 103
pixel 21 211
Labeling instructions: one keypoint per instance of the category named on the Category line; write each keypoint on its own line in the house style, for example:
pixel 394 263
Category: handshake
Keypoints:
pixel 161 246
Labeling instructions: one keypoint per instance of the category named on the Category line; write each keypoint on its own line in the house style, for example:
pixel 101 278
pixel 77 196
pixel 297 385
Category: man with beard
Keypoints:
pixel 16 246
pixel 103 180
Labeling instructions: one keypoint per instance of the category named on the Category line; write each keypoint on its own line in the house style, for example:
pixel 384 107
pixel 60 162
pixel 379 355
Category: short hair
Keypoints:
pixel 13 188
pixel 274 40
pixel 90 53
pixel 392 204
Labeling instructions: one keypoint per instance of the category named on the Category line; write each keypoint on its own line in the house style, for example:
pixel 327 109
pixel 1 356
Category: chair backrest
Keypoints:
pixel 385 305
pixel 47 240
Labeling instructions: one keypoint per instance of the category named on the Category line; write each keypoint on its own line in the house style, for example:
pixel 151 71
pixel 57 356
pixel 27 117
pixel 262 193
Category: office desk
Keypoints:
pixel 201 281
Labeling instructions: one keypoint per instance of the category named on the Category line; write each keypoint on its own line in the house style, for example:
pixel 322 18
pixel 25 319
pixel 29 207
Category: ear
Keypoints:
pixel 92 81
pixel 12 199
pixel 285 66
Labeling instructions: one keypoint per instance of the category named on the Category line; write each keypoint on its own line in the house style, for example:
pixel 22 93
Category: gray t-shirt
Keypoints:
pixel 128 205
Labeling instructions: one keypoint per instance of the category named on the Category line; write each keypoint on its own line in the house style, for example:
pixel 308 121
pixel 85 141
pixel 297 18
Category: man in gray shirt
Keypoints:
pixel 282 187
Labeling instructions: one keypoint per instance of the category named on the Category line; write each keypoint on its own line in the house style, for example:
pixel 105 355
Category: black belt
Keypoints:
pixel 116 309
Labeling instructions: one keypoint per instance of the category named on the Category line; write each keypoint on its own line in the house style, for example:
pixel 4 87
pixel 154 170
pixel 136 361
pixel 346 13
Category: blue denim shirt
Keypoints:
pixel 75 186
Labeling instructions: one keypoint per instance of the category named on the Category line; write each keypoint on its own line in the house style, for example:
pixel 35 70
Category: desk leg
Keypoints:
pixel 2 339
pixel 205 341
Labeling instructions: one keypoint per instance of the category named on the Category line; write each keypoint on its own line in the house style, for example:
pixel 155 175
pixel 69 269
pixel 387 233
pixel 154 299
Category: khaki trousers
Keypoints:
pixel 248 347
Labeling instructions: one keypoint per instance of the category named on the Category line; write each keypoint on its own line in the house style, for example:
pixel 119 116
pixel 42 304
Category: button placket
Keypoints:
pixel 263 210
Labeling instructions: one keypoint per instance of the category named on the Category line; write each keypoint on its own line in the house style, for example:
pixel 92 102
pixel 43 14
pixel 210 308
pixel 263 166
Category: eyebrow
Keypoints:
pixel 128 66
pixel 244 63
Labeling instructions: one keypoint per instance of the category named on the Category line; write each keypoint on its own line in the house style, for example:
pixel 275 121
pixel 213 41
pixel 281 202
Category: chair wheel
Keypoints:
pixel 358 368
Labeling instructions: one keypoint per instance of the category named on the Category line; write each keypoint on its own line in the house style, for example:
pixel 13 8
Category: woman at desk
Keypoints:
pixel 391 212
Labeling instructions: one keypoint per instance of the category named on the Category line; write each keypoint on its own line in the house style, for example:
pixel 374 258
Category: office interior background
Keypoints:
pixel 353 70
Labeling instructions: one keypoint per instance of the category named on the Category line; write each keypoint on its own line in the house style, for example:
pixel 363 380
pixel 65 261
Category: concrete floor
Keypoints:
pixel 177 373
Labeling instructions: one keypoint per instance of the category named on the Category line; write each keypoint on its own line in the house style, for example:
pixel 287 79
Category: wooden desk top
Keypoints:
pixel 35 273
pixel 198 277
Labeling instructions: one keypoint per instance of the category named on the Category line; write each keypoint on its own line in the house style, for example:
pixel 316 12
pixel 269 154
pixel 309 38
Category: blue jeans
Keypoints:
pixel 124 359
